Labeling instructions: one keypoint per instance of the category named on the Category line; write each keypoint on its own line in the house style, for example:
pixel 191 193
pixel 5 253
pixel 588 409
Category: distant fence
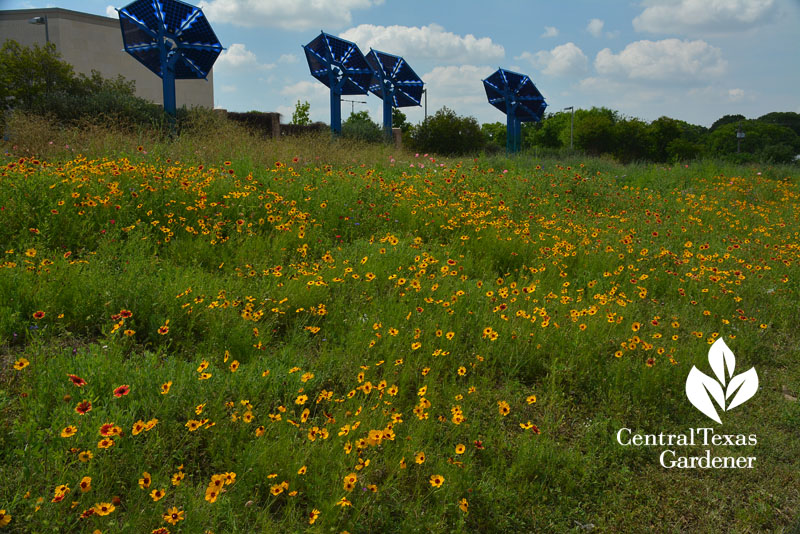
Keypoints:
pixel 269 124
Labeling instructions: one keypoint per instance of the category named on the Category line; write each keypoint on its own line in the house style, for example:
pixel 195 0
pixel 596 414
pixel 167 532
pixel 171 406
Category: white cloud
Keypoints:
pixel 670 60
pixel 288 58
pixel 550 31
pixel 228 88
pixel 238 57
pixel 735 95
pixel 595 27
pixel 459 87
pixel 111 12
pixel 699 16
pixel 286 14
pixel 562 61
pixel 426 42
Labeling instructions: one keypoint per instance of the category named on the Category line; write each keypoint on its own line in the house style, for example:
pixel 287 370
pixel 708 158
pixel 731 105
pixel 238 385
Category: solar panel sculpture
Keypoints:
pixel 341 66
pixel 171 38
pixel 394 82
pixel 515 95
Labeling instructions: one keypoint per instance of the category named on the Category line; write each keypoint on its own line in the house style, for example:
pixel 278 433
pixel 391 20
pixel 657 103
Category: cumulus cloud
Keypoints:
pixel 285 14
pixel 735 95
pixel 564 60
pixel 111 12
pixel 288 58
pixel 238 57
pixel 550 31
pixel 425 42
pixel 459 87
pixel 697 16
pixel 670 60
pixel 595 27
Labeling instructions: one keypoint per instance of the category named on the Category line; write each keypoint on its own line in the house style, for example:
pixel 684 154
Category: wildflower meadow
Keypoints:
pixel 388 342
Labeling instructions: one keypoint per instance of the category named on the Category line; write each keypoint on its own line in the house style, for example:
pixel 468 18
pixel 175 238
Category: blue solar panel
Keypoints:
pixel 181 29
pixel 339 64
pixel 507 90
pixel 392 75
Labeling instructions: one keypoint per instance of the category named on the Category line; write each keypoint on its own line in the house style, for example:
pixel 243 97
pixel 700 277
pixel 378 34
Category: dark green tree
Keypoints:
pixel 783 118
pixel 359 126
pixel 726 119
pixel 446 133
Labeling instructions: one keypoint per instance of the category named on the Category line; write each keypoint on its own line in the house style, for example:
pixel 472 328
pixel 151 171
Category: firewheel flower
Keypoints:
pixel 121 391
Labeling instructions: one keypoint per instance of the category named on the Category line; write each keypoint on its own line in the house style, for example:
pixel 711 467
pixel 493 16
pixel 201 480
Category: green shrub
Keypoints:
pixel 360 127
pixel 446 133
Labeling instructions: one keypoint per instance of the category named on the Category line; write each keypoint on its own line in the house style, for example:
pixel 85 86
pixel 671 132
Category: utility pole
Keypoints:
pixel 571 123
pixel 739 137
pixel 353 104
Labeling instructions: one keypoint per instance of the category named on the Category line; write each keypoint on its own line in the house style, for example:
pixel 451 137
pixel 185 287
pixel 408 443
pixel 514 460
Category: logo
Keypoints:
pixel 726 390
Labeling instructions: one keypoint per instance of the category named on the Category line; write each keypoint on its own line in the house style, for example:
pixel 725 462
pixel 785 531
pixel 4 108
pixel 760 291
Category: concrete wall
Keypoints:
pixel 93 42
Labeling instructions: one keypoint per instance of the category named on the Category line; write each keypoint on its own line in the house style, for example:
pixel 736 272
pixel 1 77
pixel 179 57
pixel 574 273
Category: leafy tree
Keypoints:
pixel 663 131
pixel 495 134
pixel 446 133
pixel 763 141
pixel 36 79
pixel 399 120
pixel 30 76
pixel 632 140
pixel 785 118
pixel 594 130
pixel 726 119
pixel 549 131
pixel 359 126
pixel 300 115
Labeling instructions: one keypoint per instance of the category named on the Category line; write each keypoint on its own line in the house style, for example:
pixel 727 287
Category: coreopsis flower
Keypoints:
pixel 165 387
pixel 104 508
pixel 145 481
pixel 158 494
pixel 5 518
pixel 21 364
pixel 85 484
pixel 313 516
pixel 69 431
pixel 436 481
pixel 173 516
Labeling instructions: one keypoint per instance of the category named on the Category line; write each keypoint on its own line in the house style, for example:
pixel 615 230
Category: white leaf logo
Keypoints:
pixel 701 388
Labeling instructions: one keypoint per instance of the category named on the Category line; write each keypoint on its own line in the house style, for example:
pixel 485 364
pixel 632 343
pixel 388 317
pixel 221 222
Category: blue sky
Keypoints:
pixel 694 60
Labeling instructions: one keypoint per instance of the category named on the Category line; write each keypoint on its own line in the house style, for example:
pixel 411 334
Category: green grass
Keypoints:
pixel 593 286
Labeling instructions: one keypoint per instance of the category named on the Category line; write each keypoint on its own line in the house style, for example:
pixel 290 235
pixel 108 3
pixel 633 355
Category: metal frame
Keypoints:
pixel 170 47
pixel 521 101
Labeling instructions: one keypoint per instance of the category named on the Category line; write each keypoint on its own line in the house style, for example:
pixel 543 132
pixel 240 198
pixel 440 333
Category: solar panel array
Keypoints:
pixel 505 87
pixel 156 32
pixel 339 64
pixel 515 95
pixel 393 76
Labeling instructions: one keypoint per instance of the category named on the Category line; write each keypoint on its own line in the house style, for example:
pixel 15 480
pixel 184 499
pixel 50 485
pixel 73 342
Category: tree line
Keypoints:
pixel 36 79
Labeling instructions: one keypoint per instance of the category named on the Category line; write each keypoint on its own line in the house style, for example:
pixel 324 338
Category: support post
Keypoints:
pixel 387 115
pixel 336 112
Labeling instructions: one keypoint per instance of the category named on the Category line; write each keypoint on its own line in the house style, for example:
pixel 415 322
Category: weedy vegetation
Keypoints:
pixel 214 332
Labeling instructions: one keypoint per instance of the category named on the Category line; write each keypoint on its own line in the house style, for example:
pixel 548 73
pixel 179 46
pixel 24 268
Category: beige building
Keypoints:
pixel 93 42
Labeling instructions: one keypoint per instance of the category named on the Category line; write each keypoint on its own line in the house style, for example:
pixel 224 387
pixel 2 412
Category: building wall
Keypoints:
pixel 92 42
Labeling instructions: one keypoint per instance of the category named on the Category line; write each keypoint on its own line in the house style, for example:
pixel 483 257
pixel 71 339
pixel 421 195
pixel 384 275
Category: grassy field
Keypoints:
pixel 219 333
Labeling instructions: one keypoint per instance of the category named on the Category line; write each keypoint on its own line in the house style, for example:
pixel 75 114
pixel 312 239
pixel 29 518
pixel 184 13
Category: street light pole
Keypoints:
pixel 571 123
pixel 40 21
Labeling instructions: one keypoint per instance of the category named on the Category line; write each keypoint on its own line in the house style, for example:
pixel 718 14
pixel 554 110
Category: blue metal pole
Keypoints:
pixel 336 112
pixel 517 134
pixel 387 113
pixel 169 90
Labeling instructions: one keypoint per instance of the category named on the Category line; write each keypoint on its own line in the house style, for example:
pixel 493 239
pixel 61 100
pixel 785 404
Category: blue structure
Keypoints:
pixel 171 38
pixel 515 95
pixel 394 82
pixel 341 66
